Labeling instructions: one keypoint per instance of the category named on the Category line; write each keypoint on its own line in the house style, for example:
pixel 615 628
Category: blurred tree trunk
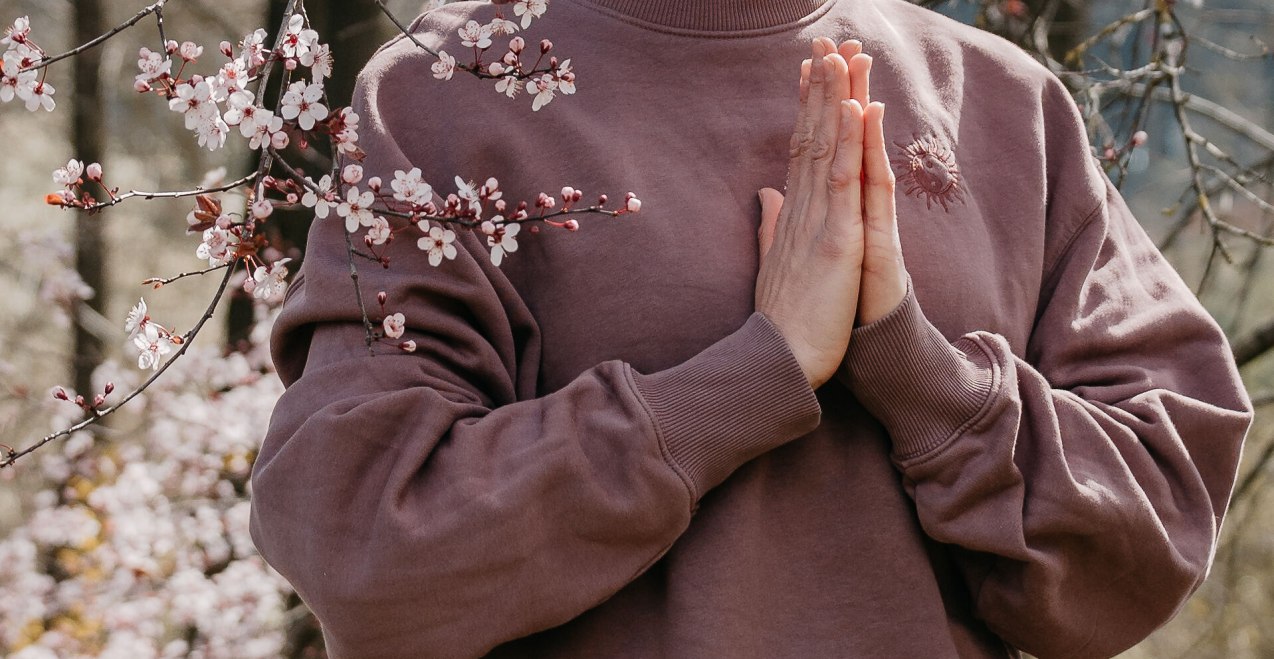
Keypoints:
pixel 354 29
pixel 1067 23
pixel 88 130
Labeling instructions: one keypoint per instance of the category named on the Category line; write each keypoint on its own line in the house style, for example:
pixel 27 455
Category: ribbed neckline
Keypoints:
pixel 714 15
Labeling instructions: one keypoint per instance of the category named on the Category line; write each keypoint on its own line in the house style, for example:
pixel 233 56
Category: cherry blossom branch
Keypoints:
pixel 157 8
pixel 158 282
pixel 358 292
pixel 120 198
pixel 11 456
pixel 403 28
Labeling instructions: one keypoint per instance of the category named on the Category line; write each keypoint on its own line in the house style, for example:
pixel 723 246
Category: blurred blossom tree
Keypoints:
pixel 136 541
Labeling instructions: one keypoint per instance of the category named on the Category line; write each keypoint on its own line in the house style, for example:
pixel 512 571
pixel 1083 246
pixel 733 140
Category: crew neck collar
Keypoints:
pixel 714 15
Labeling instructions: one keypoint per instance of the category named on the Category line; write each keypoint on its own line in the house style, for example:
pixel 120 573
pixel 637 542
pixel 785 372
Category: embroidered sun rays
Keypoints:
pixel 926 169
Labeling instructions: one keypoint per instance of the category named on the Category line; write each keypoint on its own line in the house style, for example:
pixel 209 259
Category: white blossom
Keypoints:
pixel 394 324
pixel 503 241
pixel 322 200
pixel 410 188
pixel 445 67
pixel 356 209
pixel 271 282
pixel 69 175
pixel 543 88
pixel 475 35
pixel 151 347
pixel 217 246
pixel 152 65
pixel 378 230
pixel 529 9
pixel 136 318
pixel 301 102
pixel 439 244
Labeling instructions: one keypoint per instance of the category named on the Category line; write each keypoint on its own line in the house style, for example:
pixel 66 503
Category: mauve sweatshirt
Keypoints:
pixel 600 448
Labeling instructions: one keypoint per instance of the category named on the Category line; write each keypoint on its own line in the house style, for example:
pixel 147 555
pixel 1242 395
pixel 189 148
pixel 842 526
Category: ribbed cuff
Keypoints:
pixel 740 397
pixel 924 389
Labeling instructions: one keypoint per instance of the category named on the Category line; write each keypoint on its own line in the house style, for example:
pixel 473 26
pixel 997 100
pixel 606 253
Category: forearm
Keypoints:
pixel 410 515
pixel 1088 521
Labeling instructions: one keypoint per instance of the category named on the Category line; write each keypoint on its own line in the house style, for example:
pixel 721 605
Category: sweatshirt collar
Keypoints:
pixel 714 15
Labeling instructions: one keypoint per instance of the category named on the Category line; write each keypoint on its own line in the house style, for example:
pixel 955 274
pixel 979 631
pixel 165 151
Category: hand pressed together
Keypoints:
pixel 830 253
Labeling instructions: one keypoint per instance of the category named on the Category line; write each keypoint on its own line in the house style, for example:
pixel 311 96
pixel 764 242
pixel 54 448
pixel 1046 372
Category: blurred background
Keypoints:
pixel 130 540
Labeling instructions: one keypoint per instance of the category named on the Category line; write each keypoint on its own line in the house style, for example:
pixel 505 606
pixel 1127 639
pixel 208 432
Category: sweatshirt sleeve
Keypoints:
pixel 429 503
pixel 1081 486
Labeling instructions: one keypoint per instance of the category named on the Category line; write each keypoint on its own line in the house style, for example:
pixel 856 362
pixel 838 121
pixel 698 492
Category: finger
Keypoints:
pixel 806 120
pixel 845 206
pixel 805 80
pixel 860 78
pixel 771 202
pixel 881 217
pixel 850 48
pixel 835 90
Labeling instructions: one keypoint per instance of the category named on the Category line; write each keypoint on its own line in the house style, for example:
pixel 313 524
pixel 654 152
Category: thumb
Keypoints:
pixel 771 202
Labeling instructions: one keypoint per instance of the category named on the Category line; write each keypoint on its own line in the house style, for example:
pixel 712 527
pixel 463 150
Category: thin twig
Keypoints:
pixel 158 281
pixel 12 456
pixel 152 9
pixel 168 195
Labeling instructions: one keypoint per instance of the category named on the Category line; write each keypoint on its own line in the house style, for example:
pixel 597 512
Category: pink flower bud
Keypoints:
pixel 553 62
pixel 227 49
pixel 249 285
pixel 262 208
pixel 568 193
pixel 407 346
pixel 109 389
pixel 516 44
pixel 602 199
pixel 373 183
pixel 79 400
pixel 60 394
pixel 292 198
pixel 94 172
pixel 289 64
pixel 488 227
pixel 381 298
pixel 352 174
pixel 633 205
pixel 495 69
pixel 1139 138
pixel 546 46
pixel 577 195
pixel 500 205
pixel 98 400
pixel 510 58
pixel 279 140
pixel 171 46
pixel 572 225
pixel 141 86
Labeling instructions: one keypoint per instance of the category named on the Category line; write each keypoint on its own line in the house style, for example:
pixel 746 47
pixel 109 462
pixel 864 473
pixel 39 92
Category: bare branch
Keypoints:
pixel 156 8
pixel 11 456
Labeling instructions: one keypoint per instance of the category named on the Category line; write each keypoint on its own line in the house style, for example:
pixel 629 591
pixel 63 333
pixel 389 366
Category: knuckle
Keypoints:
pixel 800 144
pixel 841 179
pixel 821 148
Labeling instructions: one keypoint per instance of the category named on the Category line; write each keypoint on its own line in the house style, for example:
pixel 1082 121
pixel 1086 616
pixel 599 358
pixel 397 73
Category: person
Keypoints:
pixel 939 396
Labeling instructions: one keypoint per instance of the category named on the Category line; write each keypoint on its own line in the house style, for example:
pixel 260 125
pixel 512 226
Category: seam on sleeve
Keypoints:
pixel 653 423
pixel 1051 270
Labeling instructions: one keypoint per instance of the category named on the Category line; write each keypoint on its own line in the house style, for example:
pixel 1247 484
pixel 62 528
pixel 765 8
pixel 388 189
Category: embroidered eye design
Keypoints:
pixel 927 170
